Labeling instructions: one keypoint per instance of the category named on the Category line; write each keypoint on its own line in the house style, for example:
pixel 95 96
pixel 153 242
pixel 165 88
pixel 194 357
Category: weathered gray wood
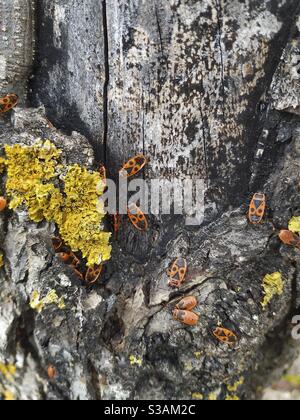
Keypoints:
pixel 70 65
pixel 185 80
pixel 17 33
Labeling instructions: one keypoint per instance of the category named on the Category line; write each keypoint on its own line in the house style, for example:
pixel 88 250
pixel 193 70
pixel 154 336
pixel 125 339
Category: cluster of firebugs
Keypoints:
pixel 184 309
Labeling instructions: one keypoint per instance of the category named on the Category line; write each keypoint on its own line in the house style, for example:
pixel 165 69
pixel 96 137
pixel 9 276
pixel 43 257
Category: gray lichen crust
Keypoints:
pixel 16 45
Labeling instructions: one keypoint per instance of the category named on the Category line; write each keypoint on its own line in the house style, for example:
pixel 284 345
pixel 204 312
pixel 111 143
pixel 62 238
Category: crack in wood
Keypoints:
pixel 107 80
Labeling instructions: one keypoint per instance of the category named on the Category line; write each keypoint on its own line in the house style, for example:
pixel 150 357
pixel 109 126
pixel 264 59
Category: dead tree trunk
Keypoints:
pixel 201 88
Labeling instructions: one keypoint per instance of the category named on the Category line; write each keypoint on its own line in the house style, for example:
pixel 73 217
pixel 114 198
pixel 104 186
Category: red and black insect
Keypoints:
pixel 69 258
pixel 257 208
pixel 93 274
pixel 8 102
pixel 225 336
pixel 177 272
pixel 134 213
pixel 133 166
pixel 137 217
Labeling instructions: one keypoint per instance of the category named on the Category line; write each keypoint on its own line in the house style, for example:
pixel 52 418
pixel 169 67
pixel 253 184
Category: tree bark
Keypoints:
pixel 200 88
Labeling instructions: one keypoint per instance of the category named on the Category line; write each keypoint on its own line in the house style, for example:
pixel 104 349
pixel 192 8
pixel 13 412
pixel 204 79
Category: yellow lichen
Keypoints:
pixel 8 395
pixel 51 298
pixel 198 354
pixel 34 175
pixel 35 302
pixel 61 304
pixel 294 225
pixel 8 371
pixel 212 397
pixel 81 227
pixel 1 260
pixel 135 361
pixel 236 385
pixel 197 396
pixel 273 285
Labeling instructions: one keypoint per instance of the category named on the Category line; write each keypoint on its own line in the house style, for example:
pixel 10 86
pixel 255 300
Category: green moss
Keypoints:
pixel 197 396
pixel 273 285
pixel 33 174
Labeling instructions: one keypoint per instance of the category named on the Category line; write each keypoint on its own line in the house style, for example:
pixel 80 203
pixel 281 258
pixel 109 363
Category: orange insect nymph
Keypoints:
pixel 257 208
pixel 8 102
pixel 177 272
pixel 137 217
pixel 133 166
pixel 225 336
pixel 51 371
pixel 289 238
pixel 188 303
pixel 57 244
pixel 3 203
pixel 186 317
